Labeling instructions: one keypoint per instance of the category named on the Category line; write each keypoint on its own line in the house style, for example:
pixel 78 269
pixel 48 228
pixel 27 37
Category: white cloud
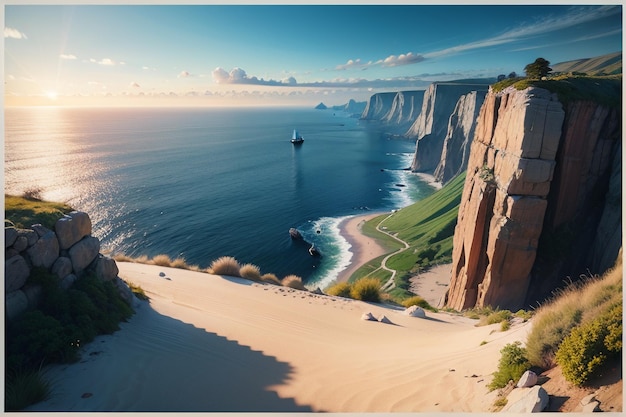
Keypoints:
pixel 14 34
pixel 184 74
pixel 104 61
pixel 239 76
pixel 67 56
pixel 402 59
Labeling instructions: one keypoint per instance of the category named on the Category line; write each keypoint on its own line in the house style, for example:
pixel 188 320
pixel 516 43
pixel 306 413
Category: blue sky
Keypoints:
pixel 280 54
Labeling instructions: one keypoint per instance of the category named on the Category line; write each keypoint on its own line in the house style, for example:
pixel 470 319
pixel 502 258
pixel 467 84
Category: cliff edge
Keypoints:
pixel 541 177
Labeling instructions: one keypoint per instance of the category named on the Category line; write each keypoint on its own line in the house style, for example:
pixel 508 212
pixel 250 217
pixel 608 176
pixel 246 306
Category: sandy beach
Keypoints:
pixel 216 344
pixel 363 248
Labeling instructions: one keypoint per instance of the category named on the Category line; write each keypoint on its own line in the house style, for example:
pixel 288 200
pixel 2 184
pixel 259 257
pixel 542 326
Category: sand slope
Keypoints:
pixel 210 343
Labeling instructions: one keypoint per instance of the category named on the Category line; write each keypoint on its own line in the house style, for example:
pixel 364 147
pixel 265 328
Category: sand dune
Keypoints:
pixel 211 343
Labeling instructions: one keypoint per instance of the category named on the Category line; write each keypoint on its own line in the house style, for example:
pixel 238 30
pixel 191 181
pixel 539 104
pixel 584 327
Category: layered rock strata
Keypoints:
pixel 68 252
pixel 378 105
pixel 456 144
pixel 431 126
pixel 405 108
pixel 533 167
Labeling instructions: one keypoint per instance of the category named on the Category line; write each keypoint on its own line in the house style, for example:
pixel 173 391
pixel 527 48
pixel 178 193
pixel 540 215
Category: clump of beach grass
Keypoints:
pixel 575 305
pixel 162 260
pixel 225 265
pixel 270 278
pixel 25 387
pixel 418 301
pixel 294 281
pixel 251 272
pixel 366 289
pixel 340 289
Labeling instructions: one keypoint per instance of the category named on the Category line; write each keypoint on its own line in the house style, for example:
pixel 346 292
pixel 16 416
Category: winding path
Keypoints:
pixel 383 264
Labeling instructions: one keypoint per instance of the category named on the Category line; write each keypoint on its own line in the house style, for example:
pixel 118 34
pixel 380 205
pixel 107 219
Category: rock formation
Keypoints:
pixel 456 144
pixel 538 175
pixel 378 106
pixel 67 252
pixel 405 108
pixel 431 126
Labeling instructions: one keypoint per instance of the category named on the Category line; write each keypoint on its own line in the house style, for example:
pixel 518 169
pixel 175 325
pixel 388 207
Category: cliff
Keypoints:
pixel 456 144
pixel 378 105
pixel 541 177
pixel 405 108
pixel 431 126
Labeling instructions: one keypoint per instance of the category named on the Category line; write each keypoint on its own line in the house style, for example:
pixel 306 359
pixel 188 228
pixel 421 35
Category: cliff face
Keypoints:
pixel 535 169
pixel 377 106
pixel 456 144
pixel 405 108
pixel 431 127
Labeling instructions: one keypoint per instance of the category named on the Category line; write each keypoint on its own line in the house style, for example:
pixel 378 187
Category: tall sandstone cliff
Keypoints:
pixel 431 126
pixel 541 201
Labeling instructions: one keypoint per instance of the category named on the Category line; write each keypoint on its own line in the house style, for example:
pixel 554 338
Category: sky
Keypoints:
pixel 284 54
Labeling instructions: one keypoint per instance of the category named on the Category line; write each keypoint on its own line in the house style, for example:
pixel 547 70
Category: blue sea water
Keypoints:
pixel 204 183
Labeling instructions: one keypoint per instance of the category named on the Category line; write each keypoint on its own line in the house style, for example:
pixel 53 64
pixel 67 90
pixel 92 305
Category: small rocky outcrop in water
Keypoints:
pixel 68 251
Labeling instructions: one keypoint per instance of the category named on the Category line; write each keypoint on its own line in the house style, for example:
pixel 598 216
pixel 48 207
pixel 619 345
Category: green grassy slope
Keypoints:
pixel 427 226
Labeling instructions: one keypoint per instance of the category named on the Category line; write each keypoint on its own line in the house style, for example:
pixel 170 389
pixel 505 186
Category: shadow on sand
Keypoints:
pixel 158 363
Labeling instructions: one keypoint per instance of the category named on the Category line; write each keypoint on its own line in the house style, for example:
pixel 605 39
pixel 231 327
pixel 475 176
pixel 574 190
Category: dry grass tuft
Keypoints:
pixel 162 260
pixel 577 304
pixel 270 279
pixel 294 281
pixel 226 265
pixel 340 289
pixel 251 272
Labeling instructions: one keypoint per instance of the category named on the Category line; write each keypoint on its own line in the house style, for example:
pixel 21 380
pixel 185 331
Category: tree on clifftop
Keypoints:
pixel 539 68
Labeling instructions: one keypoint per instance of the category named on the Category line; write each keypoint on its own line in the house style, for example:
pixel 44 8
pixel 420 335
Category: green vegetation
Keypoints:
pixel 340 289
pixel 538 69
pixel 576 305
pixel 588 347
pixel 580 330
pixel 606 90
pixel 137 291
pixel 366 289
pixel 27 210
pixel 512 365
pixel 54 332
pixel 416 300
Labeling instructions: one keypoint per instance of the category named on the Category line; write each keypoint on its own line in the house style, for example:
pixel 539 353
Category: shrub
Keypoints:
pixel 417 301
pixel 251 272
pixel 226 265
pixel 162 260
pixel 505 325
pixel 588 346
pixel 270 279
pixel 512 365
pixel 366 289
pixel 137 291
pixel 294 281
pixel 24 388
pixel 340 289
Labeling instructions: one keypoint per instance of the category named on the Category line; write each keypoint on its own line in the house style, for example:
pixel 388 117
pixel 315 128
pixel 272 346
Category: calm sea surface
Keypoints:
pixel 204 183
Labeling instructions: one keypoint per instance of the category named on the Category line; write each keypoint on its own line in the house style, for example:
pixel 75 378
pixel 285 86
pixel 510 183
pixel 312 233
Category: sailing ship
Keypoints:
pixel 297 138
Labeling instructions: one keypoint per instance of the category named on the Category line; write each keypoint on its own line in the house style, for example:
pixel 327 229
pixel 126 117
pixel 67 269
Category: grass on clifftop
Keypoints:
pixel 427 226
pixel 606 90
pixel 24 211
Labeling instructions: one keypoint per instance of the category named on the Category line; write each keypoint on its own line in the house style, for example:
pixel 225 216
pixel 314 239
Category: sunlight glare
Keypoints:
pixel 52 95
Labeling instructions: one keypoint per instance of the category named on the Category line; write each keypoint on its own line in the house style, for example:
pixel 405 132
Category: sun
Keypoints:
pixel 52 95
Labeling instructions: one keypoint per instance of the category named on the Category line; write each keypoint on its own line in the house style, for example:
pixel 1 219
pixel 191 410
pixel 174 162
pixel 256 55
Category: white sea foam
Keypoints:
pixel 335 249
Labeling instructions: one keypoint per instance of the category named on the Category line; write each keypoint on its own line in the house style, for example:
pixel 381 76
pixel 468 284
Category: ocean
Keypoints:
pixel 205 183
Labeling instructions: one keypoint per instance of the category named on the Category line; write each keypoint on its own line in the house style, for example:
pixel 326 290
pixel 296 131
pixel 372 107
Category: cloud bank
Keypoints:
pixel 14 34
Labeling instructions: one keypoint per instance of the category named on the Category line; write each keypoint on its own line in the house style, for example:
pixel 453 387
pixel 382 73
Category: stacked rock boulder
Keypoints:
pixel 68 252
